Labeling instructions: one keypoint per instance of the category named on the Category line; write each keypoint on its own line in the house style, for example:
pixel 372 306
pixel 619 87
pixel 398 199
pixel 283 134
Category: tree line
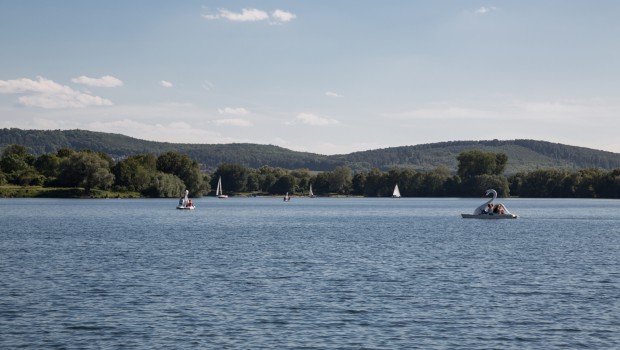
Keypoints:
pixel 525 155
pixel 170 173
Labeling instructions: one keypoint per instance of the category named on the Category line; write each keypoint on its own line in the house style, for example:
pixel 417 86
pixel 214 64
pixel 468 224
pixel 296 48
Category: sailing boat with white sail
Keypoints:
pixel 310 194
pixel 287 198
pixel 218 191
pixel 396 193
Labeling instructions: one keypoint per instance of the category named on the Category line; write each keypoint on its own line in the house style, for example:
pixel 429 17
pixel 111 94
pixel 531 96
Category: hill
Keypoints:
pixel 523 155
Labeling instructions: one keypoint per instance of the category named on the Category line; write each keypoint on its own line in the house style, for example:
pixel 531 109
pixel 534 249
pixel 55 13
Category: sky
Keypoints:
pixel 328 77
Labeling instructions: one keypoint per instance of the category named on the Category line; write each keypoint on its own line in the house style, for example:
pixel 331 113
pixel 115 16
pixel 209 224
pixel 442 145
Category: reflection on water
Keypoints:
pixel 312 273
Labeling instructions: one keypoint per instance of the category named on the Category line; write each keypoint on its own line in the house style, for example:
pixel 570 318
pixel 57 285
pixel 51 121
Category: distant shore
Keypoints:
pixel 13 191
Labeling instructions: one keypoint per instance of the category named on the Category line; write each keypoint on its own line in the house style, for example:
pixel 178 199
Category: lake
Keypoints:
pixel 321 273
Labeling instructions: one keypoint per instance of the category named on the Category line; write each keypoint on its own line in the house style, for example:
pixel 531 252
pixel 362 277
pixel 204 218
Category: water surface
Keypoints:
pixel 258 273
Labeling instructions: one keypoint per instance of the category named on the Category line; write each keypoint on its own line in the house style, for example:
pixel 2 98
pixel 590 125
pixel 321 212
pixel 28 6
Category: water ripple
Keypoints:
pixel 314 274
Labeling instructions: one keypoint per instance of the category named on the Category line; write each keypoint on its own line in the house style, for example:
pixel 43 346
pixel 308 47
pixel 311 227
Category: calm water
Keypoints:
pixel 257 273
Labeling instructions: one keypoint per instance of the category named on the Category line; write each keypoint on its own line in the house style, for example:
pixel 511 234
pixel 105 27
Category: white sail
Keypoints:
pixel 396 193
pixel 219 192
pixel 310 194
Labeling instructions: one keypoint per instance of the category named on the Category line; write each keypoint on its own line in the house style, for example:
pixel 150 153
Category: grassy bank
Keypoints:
pixel 12 191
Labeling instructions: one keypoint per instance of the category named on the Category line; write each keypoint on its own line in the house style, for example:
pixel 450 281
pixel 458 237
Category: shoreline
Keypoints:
pixel 14 191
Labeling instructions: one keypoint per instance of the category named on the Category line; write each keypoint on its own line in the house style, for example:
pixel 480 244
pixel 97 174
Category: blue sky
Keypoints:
pixel 326 77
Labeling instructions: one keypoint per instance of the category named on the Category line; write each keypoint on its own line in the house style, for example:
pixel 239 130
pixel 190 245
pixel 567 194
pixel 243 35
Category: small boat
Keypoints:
pixel 185 203
pixel 218 191
pixel 396 193
pixel 310 194
pixel 287 198
pixel 491 216
pixel 487 211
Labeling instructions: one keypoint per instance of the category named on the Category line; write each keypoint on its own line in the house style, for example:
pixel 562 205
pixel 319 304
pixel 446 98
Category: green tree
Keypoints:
pixel 65 152
pixel 358 183
pixel 610 184
pixel 320 184
pixel 480 171
pixel 86 169
pixel 253 182
pixel 547 183
pixel 48 165
pixel 13 163
pixel 375 184
pixel 234 177
pixel 586 183
pixel 479 183
pixel 268 177
pixel 135 173
pixel 15 158
pixel 184 168
pixel 17 150
pixel 16 162
pixel 412 183
pixel 433 182
pixel 206 183
pixel 284 184
pixel 340 180
pixel 164 185
pixel 303 178
pixel 474 163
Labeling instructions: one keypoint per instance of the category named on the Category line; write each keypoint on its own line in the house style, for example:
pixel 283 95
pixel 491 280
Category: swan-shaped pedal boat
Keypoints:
pixel 185 203
pixel 484 211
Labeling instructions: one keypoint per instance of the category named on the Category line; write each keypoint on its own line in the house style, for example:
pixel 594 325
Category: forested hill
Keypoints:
pixel 120 146
pixel 523 155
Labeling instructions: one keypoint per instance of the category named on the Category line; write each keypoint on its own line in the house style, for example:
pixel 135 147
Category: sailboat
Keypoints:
pixel 287 198
pixel 218 191
pixel 396 193
pixel 185 203
pixel 310 194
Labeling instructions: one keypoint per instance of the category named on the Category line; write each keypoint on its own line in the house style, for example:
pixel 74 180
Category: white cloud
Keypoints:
pixel 252 15
pixel 105 81
pixel 166 84
pixel 246 15
pixel 233 122
pixel 233 111
pixel 148 122
pixel 283 16
pixel 311 119
pixel 484 10
pixel 45 93
pixel 332 94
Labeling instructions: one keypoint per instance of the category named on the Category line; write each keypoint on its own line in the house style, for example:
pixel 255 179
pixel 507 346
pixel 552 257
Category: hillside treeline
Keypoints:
pixel 170 173
pixel 525 155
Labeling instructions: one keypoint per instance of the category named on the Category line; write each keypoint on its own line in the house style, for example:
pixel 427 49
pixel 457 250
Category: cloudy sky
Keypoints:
pixel 319 76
